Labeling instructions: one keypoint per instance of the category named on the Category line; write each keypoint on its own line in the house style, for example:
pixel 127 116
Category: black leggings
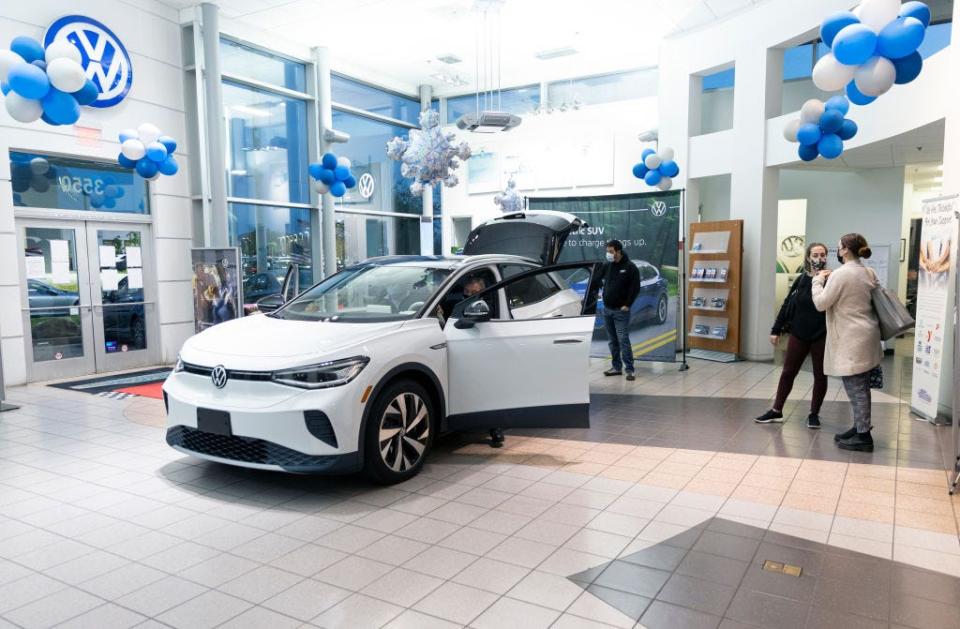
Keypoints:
pixel 797 351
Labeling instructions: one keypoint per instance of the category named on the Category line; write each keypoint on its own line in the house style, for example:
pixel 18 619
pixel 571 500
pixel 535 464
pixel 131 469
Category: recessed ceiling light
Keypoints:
pixel 545 55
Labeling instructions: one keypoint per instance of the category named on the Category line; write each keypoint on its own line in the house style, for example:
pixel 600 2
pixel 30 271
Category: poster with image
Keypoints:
pixel 216 289
pixel 938 250
pixel 649 226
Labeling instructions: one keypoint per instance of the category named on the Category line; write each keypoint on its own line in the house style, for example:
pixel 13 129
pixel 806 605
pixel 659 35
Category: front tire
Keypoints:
pixel 399 433
pixel 662 306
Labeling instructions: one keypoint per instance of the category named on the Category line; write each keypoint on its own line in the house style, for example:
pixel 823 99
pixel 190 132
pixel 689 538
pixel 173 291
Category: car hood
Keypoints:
pixel 259 342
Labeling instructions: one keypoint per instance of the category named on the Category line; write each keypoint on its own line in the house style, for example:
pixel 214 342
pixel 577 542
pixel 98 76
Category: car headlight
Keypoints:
pixel 179 366
pixel 330 374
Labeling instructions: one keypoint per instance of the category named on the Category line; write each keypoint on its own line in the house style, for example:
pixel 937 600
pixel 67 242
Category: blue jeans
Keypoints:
pixel 617 323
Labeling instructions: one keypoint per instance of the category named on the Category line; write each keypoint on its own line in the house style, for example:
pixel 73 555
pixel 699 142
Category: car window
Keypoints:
pixel 466 286
pixel 647 272
pixel 509 270
pixel 530 290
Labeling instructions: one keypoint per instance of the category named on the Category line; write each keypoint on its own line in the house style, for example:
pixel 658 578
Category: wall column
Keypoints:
pixel 426 220
pixel 217 234
pixel 328 221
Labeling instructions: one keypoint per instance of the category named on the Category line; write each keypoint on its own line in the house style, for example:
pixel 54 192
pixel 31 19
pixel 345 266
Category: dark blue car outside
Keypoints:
pixel 650 305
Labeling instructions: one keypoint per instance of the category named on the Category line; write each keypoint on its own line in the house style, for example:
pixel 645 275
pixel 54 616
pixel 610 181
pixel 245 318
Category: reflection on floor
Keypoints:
pixel 103 525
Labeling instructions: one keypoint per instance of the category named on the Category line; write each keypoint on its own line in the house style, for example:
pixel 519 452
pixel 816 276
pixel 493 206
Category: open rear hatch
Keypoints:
pixel 537 234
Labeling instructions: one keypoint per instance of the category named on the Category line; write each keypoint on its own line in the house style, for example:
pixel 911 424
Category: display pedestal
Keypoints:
pixel 717 357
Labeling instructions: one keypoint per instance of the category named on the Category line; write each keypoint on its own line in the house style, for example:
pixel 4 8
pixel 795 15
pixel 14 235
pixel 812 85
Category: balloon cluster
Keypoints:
pixel 509 200
pixel 34 175
pixel 821 128
pixel 428 155
pixel 44 84
pixel 657 168
pixel 872 47
pixel 149 152
pixel 108 198
pixel 332 175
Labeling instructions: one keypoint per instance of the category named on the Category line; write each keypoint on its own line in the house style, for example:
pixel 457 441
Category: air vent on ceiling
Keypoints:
pixel 449 59
pixel 488 121
pixel 545 55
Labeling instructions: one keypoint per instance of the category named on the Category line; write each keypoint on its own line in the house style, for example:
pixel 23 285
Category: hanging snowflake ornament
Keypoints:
pixel 509 200
pixel 428 155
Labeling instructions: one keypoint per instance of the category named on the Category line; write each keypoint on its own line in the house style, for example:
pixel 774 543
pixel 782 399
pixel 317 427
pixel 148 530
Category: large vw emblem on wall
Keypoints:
pixel 219 376
pixel 365 185
pixel 102 55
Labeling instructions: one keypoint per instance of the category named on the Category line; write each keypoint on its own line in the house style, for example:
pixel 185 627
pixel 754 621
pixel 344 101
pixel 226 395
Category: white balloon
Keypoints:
pixel 321 187
pixel 830 75
pixel 665 183
pixel 811 111
pixel 130 133
pixel 66 75
pixel 62 49
pixel 652 161
pixel 39 165
pixel 8 59
pixel 23 109
pixel 878 13
pixel 344 161
pixel 148 133
pixel 133 149
pixel 666 154
pixel 790 130
pixel 876 76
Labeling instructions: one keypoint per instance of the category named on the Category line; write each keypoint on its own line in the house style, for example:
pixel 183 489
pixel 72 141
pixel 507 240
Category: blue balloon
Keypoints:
pixel 4 88
pixel 28 48
pixel 169 166
pixel 329 161
pixel 146 168
pixel 338 189
pixel 47 119
pixel 830 146
pixel 830 121
pixel 28 81
pixel 350 182
pixel 916 10
pixel 652 177
pixel 60 107
pixel 87 94
pixel 908 68
pixel 315 169
pixel 640 170
pixel 327 176
pixel 40 64
pixel 646 152
pixel 808 133
pixel 669 168
pixel 834 23
pixel 341 172
pixel 854 44
pixel 109 203
pixel 847 130
pixel 838 102
pixel 808 152
pixel 856 96
pixel 96 200
pixel 168 142
pixel 125 161
pixel 900 37
pixel 126 136
pixel 156 152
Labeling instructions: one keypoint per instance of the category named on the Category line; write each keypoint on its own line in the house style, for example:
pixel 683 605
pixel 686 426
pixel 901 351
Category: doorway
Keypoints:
pixel 88 297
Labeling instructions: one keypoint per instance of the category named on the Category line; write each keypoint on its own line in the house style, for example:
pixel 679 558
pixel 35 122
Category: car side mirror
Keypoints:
pixel 474 313
pixel 270 303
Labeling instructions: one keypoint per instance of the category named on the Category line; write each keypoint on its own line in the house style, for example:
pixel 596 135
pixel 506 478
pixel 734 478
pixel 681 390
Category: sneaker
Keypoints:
pixel 813 421
pixel 630 376
pixel 770 416
pixel 613 372
pixel 845 435
pixel 861 442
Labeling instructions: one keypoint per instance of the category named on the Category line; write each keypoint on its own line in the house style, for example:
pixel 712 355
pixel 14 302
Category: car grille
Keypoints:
pixel 232 374
pixel 243 449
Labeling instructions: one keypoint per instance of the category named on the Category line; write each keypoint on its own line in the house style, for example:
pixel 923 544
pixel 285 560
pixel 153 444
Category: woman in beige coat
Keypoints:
pixel 853 333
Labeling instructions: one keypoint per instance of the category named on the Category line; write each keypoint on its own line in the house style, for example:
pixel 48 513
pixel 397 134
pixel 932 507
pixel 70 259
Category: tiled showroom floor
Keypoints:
pixel 661 515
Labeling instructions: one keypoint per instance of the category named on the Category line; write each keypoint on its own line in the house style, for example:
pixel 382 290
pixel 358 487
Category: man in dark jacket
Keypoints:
pixel 621 285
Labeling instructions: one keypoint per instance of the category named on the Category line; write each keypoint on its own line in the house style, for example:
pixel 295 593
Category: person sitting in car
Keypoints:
pixel 472 285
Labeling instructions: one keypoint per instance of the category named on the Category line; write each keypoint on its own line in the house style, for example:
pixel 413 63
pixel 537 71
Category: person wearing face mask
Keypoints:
pixel 853 333
pixel 808 335
pixel 621 285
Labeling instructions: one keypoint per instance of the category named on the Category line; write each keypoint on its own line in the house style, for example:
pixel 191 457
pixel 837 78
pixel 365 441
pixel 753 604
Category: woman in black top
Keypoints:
pixel 808 335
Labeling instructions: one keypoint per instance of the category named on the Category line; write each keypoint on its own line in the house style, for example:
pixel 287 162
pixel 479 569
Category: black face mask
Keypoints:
pixel 819 264
pixel 839 257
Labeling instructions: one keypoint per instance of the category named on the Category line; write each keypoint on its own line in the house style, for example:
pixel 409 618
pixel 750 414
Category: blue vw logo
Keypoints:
pixel 102 55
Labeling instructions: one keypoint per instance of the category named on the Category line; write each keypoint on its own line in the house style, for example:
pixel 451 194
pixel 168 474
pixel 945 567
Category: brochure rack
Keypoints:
pixel 713 289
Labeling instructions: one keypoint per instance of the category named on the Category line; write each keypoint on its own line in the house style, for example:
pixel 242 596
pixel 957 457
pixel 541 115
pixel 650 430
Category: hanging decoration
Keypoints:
pixel 657 168
pixel 821 128
pixel 44 84
pixel 509 200
pixel 149 152
pixel 332 174
pixel 428 155
pixel 36 175
pixel 872 48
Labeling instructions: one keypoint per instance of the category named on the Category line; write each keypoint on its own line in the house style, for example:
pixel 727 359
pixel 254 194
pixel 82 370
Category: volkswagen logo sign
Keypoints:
pixel 219 376
pixel 365 185
pixel 102 55
pixel 658 208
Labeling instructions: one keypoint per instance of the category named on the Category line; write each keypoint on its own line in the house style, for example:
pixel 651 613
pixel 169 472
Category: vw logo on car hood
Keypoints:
pixel 219 376
pixel 658 208
pixel 102 55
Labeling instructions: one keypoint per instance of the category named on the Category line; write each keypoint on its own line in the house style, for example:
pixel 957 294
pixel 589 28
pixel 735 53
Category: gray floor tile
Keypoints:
pixel 662 615
pixel 631 605
pixel 705 596
pixel 54 609
pixel 633 579
pixel 210 609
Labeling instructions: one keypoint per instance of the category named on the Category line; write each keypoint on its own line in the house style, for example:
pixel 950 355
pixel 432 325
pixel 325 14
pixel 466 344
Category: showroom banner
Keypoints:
pixel 649 226
pixel 938 250
pixel 216 291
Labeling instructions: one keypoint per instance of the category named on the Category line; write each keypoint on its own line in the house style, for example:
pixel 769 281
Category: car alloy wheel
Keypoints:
pixel 662 309
pixel 404 432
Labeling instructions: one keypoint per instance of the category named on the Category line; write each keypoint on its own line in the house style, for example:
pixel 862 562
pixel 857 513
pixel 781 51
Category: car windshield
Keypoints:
pixel 371 293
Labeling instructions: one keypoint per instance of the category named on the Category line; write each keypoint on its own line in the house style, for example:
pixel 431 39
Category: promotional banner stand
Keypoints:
pixel 682 247
pixel 955 430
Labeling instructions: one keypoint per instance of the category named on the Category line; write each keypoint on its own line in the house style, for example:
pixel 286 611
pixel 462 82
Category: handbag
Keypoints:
pixel 893 316
pixel 789 307
pixel 876 378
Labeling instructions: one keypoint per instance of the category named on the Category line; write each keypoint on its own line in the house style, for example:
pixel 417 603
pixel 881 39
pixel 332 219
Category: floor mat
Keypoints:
pixel 115 382
pixel 152 390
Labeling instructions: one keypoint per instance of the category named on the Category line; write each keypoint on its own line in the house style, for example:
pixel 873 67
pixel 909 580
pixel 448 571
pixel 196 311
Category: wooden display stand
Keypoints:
pixel 713 290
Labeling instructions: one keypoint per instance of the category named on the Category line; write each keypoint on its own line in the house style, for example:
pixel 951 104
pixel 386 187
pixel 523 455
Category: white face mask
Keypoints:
pixel 609 257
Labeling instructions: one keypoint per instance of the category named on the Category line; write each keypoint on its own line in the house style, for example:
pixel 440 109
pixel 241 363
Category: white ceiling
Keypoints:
pixel 923 145
pixel 401 39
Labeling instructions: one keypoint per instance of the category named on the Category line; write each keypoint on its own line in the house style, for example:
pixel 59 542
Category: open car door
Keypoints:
pixel 518 353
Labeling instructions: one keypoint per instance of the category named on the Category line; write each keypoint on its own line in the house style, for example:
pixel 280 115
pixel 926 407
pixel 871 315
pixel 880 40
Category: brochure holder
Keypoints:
pixel 713 289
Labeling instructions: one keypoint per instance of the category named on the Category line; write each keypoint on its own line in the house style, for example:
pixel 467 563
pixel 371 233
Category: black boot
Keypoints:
pixel 496 438
pixel 861 442
pixel 845 435
pixel 813 421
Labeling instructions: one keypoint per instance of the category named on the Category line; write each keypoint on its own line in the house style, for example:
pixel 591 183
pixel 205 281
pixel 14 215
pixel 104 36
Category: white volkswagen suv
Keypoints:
pixel 361 371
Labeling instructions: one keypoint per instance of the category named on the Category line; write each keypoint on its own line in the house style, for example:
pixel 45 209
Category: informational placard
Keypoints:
pixel 34 266
pixel 60 250
pixel 134 278
pixel 108 257
pixel 938 250
pixel 109 279
pixel 216 290
pixel 134 257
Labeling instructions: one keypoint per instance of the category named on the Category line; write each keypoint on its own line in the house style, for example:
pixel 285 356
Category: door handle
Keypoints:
pixel 567 341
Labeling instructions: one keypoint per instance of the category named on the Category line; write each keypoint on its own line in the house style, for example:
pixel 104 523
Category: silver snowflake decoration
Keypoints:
pixel 428 155
pixel 509 200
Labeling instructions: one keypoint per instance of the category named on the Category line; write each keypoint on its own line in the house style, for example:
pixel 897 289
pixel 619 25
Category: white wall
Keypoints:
pixel 714 198
pixel 151 33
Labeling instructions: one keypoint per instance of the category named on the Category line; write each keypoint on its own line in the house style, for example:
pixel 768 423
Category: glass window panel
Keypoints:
pixel 270 239
pixel 936 39
pixel 346 91
pixel 719 80
pixel 66 183
pixel 363 236
pixel 235 58
pixel 53 293
pixel 518 100
pixel 266 145
pixel 716 110
pixel 121 290
pixel 607 88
